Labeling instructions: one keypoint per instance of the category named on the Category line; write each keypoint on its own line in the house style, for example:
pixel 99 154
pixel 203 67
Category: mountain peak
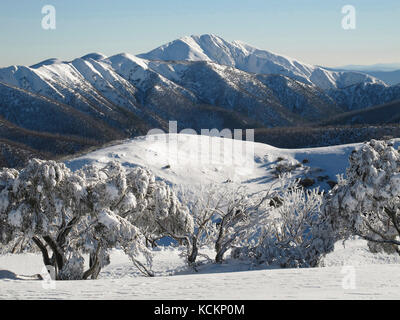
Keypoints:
pixel 47 62
pixel 52 61
pixel 202 36
pixel 95 56
pixel 238 54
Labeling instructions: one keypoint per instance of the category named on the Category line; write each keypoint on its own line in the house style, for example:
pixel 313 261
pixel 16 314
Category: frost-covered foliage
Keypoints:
pixel 32 201
pixel 282 226
pixel 239 219
pixel 204 203
pixel 366 203
pixel 296 233
pixel 90 211
pixel 159 213
pixel 223 218
pixel 133 199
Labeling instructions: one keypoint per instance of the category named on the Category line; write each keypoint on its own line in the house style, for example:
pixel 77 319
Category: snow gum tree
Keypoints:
pixel 204 203
pixel 366 203
pixel 239 219
pixel 159 212
pixel 40 203
pixel 295 234
pixel 223 218
pixel 87 212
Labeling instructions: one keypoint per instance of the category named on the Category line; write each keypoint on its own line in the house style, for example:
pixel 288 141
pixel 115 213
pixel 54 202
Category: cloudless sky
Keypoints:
pixel 308 30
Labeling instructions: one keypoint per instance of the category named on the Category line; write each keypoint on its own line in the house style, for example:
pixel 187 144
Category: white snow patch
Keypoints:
pixel 121 280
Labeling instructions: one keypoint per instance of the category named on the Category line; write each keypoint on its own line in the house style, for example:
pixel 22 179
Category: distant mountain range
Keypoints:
pixel 389 77
pixel 387 72
pixel 200 81
pixel 387 67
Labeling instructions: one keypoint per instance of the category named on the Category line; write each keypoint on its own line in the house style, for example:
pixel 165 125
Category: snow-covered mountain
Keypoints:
pixel 387 72
pixel 363 95
pixel 123 90
pixel 201 82
pixel 242 56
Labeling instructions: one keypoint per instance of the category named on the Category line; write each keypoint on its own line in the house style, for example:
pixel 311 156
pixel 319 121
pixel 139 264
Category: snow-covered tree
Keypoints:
pixel 296 233
pixel 239 219
pixel 108 200
pixel 35 205
pixel 204 203
pixel 159 212
pixel 89 211
pixel 366 203
pixel 223 217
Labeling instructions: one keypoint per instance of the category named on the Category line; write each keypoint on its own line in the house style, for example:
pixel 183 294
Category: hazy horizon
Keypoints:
pixel 307 30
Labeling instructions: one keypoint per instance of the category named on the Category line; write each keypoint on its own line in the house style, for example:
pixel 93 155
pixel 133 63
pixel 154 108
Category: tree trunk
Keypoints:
pixel 193 255
pixel 219 257
pixel 45 254
pixel 58 254
pixel 218 244
pixel 65 231
pixel 142 268
pixel 94 261
pixel 92 272
pixel 94 266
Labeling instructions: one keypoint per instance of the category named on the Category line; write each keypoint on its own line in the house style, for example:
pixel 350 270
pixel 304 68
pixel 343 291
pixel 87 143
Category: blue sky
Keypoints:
pixel 308 30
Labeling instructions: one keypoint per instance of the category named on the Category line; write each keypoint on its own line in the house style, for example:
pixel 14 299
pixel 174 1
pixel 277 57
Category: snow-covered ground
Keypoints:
pixel 375 277
pixel 350 272
pixel 200 159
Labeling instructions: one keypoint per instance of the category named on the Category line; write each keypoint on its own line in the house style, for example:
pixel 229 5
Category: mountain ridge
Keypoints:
pixel 102 98
pixel 243 56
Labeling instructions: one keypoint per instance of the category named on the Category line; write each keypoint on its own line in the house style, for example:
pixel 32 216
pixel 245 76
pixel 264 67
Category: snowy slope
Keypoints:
pixel 362 95
pixel 205 165
pixel 272 99
pixel 240 55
